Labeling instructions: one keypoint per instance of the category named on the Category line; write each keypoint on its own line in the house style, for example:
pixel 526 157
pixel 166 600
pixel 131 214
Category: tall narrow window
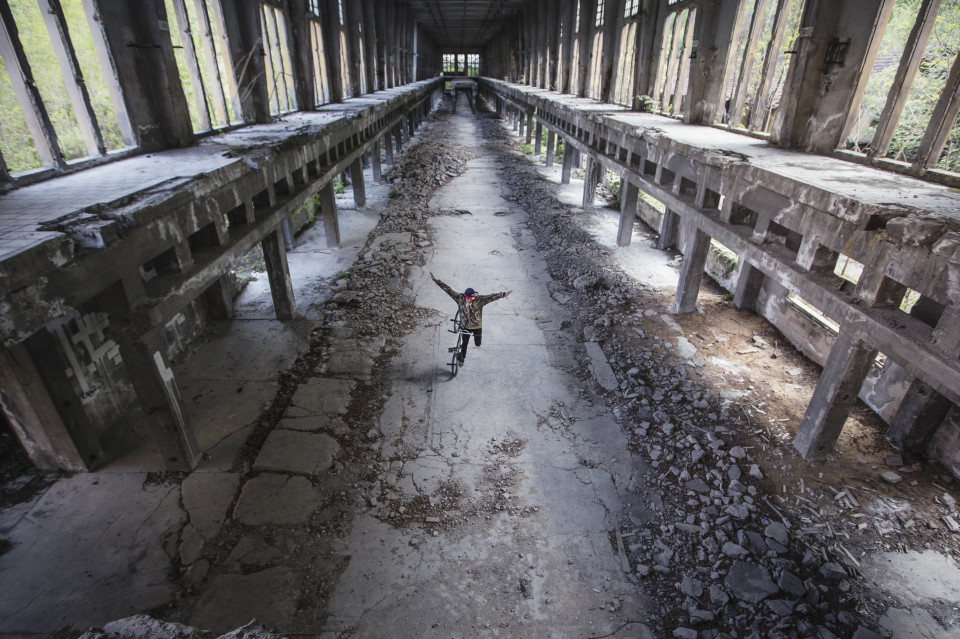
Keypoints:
pixel 57 87
pixel 277 60
pixel 918 48
pixel 623 89
pixel 673 68
pixel 205 73
pixel 321 84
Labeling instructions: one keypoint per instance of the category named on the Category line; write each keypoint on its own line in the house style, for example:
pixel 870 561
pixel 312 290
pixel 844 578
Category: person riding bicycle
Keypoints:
pixel 471 312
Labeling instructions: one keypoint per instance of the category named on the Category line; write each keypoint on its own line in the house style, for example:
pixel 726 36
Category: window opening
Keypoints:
pixel 813 313
pixel 321 85
pixel 599 19
pixel 473 64
pixel 848 268
pixel 449 63
pixel 596 63
pixel 623 91
pixel 777 41
pixel 631 8
pixel 674 66
pixel 58 103
pixel 202 68
pixel 906 80
pixel 276 60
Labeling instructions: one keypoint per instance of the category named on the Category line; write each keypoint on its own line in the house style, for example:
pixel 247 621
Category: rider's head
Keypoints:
pixel 470 293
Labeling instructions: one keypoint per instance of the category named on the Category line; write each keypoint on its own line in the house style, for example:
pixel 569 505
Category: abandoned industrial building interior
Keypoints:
pixel 722 400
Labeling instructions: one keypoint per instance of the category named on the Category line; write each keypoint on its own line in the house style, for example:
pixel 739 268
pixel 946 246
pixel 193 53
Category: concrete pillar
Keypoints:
pixel 628 213
pixel 920 414
pixel 328 211
pixel 538 145
pixel 846 368
pixel 590 182
pixel 411 127
pixel 514 120
pixel 219 297
pixel 946 335
pixel 577 157
pixel 359 188
pixel 375 163
pixel 159 396
pixel 398 137
pixel 695 250
pixel 530 127
pixel 669 227
pixel 388 147
pixel 748 287
pixel 278 273
pixel 522 120
pixel 32 413
pixel 567 164
pixel 551 143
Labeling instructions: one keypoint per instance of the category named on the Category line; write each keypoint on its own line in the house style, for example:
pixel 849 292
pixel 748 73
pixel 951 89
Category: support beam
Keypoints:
pixel 918 418
pixel 388 147
pixel 567 164
pixel 669 229
pixel 278 273
pixel 844 373
pixel 551 150
pixel 375 163
pixel 359 188
pixel 328 211
pixel 219 298
pixel 628 213
pixel 695 250
pixel 749 285
pixel 590 181
pixel 159 396
pixel 32 413
pixel 538 144
pixel 530 126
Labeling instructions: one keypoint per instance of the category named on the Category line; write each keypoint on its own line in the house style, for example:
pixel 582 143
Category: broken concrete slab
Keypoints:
pixel 749 582
pixel 324 396
pixel 269 596
pixel 296 452
pixel 276 499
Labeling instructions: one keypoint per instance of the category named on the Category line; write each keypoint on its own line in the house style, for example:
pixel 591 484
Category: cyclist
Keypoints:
pixel 471 312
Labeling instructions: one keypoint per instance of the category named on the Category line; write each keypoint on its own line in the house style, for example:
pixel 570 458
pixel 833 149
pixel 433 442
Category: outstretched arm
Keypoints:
pixel 493 297
pixel 446 289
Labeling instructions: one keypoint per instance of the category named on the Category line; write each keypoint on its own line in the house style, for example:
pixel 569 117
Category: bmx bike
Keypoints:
pixel 462 334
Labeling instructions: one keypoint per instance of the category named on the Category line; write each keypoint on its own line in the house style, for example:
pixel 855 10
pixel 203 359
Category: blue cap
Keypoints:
pixel 469 292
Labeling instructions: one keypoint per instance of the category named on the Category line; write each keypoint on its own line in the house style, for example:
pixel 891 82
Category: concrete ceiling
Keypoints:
pixel 461 25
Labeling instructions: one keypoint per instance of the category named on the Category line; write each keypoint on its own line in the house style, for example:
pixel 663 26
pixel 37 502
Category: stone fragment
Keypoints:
pixel 717 596
pixel 731 549
pixel 698 485
pixel 833 573
pixel 749 582
pixel 778 532
pixel 691 587
pixel 947 500
pixel 780 607
pixel 893 460
pixel 684 633
pixel 698 616
pixel 791 584
pixel 755 471
pixel 891 477
pixel 951 523
pixel 865 633
pixel 738 452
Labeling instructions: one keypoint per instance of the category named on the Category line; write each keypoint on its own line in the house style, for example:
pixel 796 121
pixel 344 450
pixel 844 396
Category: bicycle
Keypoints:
pixel 462 334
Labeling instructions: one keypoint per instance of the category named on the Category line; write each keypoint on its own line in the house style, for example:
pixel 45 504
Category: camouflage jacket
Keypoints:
pixel 471 311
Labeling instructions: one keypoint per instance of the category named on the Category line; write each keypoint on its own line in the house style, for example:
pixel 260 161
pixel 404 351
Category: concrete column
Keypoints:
pixel 577 157
pixel 748 287
pixel 843 375
pixel 522 120
pixel 46 357
pixel 388 147
pixel 590 182
pixel 398 137
pixel 669 227
pixel 530 126
pixel 32 413
pixel 219 298
pixel 375 163
pixel 947 333
pixel 551 143
pixel 159 396
pixel 920 414
pixel 628 213
pixel 278 273
pixel 328 211
pixel 538 145
pixel 567 164
pixel 695 251
pixel 359 188
pixel 411 127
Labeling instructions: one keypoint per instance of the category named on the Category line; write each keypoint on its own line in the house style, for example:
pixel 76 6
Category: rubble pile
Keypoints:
pixel 723 557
